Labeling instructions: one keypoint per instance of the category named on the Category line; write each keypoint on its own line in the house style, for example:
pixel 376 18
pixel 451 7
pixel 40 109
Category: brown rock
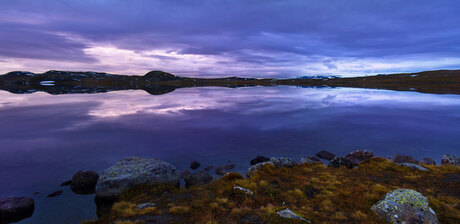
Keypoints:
pixel 404 159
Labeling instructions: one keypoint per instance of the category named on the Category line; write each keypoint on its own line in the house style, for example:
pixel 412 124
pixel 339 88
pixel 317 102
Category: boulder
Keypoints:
pixel 259 159
pixel 199 178
pixel 414 166
pixel 325 155
pixel 359 156
pixel 255 167
pixel 428 161
pixel 310 159
pixel 279 162
pixel 194 165
pixel 222 170
pixel 84 182
pixel 405 206
pixel 14 209
pixel 133 171
pixel 229 166
pixel 404 159
pixel 338 162
pixel 288 214
pixel 450 159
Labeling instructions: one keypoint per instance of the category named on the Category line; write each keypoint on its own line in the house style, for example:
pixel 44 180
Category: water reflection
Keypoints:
pixel 45 139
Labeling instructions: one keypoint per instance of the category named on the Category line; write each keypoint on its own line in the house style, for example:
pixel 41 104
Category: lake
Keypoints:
pixel 45 139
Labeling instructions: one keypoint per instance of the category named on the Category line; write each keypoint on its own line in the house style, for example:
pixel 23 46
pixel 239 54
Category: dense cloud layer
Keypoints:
pixel 263 38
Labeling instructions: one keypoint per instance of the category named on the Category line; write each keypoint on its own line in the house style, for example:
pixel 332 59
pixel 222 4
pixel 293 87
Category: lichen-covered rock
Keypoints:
pixel 414 166
pixel 255 167
pixel 404 159
pixel 288 214
pixel 325 155
pixel 310 159
pixel 14 209
pixel 405 206
pixel 450 159
pixel 134 171
pixel 279 162
pixel 246 191
pixel 84 182
pixel 199 178
pixel 338 162
pixel 259 159
pixel 428 161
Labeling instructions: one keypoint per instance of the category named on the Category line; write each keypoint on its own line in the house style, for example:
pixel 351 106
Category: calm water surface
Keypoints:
pixel 45 139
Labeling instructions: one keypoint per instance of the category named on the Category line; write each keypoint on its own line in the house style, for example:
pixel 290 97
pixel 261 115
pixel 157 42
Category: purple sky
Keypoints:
pixel 283 38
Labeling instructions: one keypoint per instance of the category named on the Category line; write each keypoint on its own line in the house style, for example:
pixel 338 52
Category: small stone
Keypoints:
pixel 288 214
pixel 14 209
pixel 84 182
pixel 208 168
pixel 184 174
pixel 405 206
pixel 325 155
pixel 194 165
pixel 197 179
pixel 146 205
pixel 66 183
pixel 259 159
pixel 414 166
pixel 428 161
pixel 449 159
pixel 310 159
pixel 257 166
pixel 246 191
pixel 338 162
pixel 404 159
pixel 54 194
pixel 229 166
pixel 279 162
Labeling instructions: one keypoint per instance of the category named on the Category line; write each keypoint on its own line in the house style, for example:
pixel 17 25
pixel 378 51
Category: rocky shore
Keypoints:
pixel 321 188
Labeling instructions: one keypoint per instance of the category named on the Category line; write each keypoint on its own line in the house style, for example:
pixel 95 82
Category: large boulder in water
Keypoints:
pixel 133 171
pixel 14 209
pixel 405 206
pixel 84 182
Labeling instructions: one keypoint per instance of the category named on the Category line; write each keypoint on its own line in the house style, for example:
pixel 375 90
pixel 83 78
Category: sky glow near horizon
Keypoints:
pixel 225 38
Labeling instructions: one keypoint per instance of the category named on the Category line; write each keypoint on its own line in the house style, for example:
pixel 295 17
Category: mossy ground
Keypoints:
pixel 314 191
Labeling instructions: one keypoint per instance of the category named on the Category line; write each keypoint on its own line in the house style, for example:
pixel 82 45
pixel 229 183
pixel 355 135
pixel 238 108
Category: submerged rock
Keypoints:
pixel 414 166
pixel 194 165
pixel 450 159
pixel 199 178
pixel 279 162
pixel 310 159
pixel 208 168
pixel 428 161
pixel 288 214
pixel 133 171
pixel 257 166
pixel 338 162
pixel 405 206
pixel 66 183
pixel 325 155
pixel 404 159
pixel 84 182
pixel 54 194
pixel 14 209
pixel 259 159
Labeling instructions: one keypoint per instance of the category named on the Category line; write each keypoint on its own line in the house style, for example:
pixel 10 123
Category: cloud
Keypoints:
pixel 283 38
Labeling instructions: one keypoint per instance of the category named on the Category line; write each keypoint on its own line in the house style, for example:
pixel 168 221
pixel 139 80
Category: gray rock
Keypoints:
pixel 199 178
pixel 414 166
pixel 288 214
pixel 134 171
pixel 255 167
pixel 404 159
pixel 428 161
pixel 246 191
pixel 310 159
pixel 279 162
pixel 146 205
pixel 84 182
pixel 325 155
pixel 405 206
pixel 450 159
pixel 338 162
pixel 14 209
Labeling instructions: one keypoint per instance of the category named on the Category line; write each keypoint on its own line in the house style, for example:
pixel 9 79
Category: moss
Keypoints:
pixel 314 191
